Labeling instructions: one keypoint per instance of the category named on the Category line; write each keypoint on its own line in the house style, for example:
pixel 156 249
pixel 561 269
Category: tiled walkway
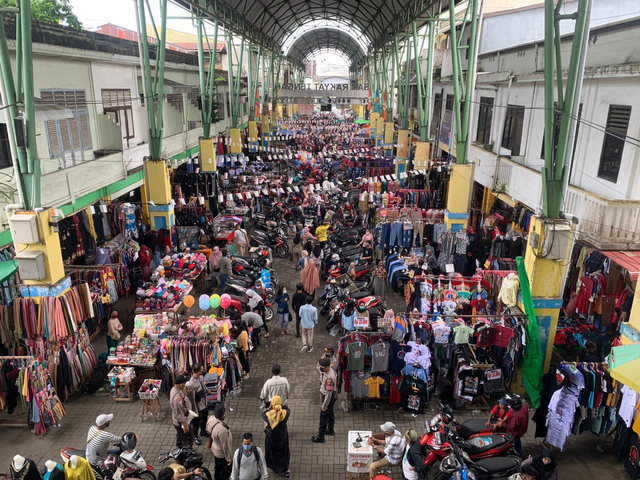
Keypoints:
pixel 308 460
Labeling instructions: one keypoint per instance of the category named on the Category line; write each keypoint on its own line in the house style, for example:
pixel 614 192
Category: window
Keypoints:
pixel 220 98
pixel 512 134
pixel 556 129
pixel 449 104
pixel 116 103
pixel 413 96
pixel 614 138
pixel 5 149
pixel 484 121
pixel 437 113
pixel 70 137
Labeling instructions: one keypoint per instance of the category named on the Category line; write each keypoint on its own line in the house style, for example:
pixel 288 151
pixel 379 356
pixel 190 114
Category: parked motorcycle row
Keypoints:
pixel 469 450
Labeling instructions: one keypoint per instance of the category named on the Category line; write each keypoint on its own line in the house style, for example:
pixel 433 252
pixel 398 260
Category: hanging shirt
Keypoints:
pixel 373 383
pixel 356 352
pixel 628 404
pixel 461 334
pixel 379 357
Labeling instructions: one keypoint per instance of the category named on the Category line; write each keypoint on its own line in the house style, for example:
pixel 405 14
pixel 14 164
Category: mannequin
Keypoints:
pixel 78 468
pixel 54 471
pixel 73 461
pixel 24 469
pixel 50 464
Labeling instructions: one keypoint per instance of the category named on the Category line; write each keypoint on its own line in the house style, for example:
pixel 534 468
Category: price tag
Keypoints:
pixel 361 322
pixel 449 268
pixel 201 200
pixel 248 194
pixel 220 199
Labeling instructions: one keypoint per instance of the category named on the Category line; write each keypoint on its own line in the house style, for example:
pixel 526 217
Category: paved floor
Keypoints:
pixel 308 460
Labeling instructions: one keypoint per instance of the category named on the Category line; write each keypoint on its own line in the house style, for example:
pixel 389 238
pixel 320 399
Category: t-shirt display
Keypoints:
pixel 356 352
pixel 462 333
pixel 373 384
pixel 380 357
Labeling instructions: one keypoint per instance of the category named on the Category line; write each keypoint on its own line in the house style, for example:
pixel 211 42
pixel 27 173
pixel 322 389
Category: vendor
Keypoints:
pixel 115 327
pixel 392 446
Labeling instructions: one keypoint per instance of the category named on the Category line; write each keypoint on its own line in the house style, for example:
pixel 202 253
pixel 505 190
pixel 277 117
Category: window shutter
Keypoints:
pixel 618 120
pixel 87 144
pixel 65 135
pixel 54 140
pixel 75 134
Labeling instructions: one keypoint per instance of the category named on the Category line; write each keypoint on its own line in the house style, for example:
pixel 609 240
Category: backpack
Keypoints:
pixel 256 452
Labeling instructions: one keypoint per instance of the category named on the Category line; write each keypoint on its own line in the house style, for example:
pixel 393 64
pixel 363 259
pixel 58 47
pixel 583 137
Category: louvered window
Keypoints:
pixel 614 139
pixel 117 104
pixel 68 137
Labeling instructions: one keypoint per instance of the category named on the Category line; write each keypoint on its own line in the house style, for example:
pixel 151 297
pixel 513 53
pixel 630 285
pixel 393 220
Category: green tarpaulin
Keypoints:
pixel 532 362
pixel 7 269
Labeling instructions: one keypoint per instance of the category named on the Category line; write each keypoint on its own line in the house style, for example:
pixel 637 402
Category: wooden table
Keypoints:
pixel 151 407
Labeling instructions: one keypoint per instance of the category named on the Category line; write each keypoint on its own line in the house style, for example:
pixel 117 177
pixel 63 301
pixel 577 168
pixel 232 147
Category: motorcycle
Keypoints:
pixel 240 304
pixel 478 447
pixel 362 271
pixel 459 466
pixel 331 290
pixel 186 460
pixel 122 462
pixel 466 430
pixel 276 240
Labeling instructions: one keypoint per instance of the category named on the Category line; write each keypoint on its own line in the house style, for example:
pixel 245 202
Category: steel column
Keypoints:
pixel 155 87
pixel 235 75
pixel 463 87
pixel 254 70
pixel 403 81
pixel 207 78
pixel 424 85
pixel 275 82
pixel 557 154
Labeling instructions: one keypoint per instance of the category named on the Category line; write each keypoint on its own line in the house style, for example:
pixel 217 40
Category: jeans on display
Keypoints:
pixel 384 236
pixel 407 238
pixel 395 238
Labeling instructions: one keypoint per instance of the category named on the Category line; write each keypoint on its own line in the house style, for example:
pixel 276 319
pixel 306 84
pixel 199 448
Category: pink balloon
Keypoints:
pixel 225 300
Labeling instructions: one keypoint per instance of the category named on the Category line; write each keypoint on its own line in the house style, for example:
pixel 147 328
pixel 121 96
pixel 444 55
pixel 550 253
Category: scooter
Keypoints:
pixel 478 447
pixel 458 465
pixel 186 460
pixel 466 430
pixel 122 462
pixel 240 304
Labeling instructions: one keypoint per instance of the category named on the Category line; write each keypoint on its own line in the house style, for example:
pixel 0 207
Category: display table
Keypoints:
pixel 149 394
pixel 359 454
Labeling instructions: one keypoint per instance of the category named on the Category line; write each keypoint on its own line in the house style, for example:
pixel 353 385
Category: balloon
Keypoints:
pixel 203 302
pixel 188 301
pixel 225 300
pixel 215 300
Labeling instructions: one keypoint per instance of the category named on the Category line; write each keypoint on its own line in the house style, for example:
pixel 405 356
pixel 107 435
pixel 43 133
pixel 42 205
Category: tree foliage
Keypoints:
pixel 52 11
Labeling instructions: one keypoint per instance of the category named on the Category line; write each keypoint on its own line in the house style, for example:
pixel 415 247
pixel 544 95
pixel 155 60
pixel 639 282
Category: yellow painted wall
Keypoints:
pixel 460 188
pixel 49 246
pixel 265 125
pixel 373 119
pixel 144 197
pixel 421 160
pixel 403 143
pixel 379 126
pixel 207 155
pixel 236 140
pixel 157 179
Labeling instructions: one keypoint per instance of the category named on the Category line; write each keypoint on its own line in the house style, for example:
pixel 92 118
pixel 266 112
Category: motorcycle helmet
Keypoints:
pixel 110 464
pixel 335 257
pixel 449 465
pixel 516 401
pixel 344 283
pixel 129 441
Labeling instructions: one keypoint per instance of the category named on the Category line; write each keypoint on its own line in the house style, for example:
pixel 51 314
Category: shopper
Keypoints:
pixel 221 441
pixel 115 327
pixel 225 269
pixel 275 386
pixel 527 473
pixel 180 407
pixel 168 473
pixel 499 413
pixel 391 445
pixel 256 323
pixel 544 464
pixel 309 275
pixel 308 320
pixel 328 397
pixel 240 240
pixel 214 265
pixel 413 467
pixel 517 422
pixel 276 444
pixel 317 254
pixel 242 346
pixel 379 281
pixel 249 462
pixel 282 299
pixel 321 233
pixel 298 301
pixel 197 385
pixel 98 439
pixel 330 353
pixel 296 249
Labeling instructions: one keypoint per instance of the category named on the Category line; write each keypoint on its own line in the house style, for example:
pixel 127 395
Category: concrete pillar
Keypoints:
pixel 373 124
pixel 235 137
pixel 161 214
pixel 421 158
pixel 265 127
pixel 253 136
pixel 456 215
pixel 403 144
pixel 388 139
pixel 208 155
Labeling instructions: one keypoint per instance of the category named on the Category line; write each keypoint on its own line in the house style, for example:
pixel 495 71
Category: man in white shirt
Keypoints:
pixel 98 439
pixel 392 447
pixel 240 239
pixel 276 385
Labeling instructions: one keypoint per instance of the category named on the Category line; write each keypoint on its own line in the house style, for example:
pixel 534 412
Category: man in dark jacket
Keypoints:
pixel 297 301
pixel 413 466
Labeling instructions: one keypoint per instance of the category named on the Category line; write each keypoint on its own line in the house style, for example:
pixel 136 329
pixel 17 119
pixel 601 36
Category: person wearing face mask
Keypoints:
pixel 221 441
pixel 180 406
pixel 98 439
pixel 224 265
pixel 328 380
pixel 249 462
pixel 392 446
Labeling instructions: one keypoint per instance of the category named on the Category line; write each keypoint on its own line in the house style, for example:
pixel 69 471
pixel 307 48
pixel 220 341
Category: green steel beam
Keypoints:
pixel 463 86
pixel 275 82
pixel 207 78
pixel 267 68
pixel 154 86
pixel 254 71
pixel 557 154
pixel 424 84
pixel 235 77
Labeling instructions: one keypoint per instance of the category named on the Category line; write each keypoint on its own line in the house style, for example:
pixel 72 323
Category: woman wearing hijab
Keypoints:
pixel 307 237
pixel 214 263
pixel 379 281
pixel 309 274
pixel 317 255
pixel 276 444
pixel 544 464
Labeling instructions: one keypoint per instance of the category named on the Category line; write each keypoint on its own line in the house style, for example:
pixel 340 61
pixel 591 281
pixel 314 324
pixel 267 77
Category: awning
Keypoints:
pixel 624 354
pixel 630 261
pixel 7 269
